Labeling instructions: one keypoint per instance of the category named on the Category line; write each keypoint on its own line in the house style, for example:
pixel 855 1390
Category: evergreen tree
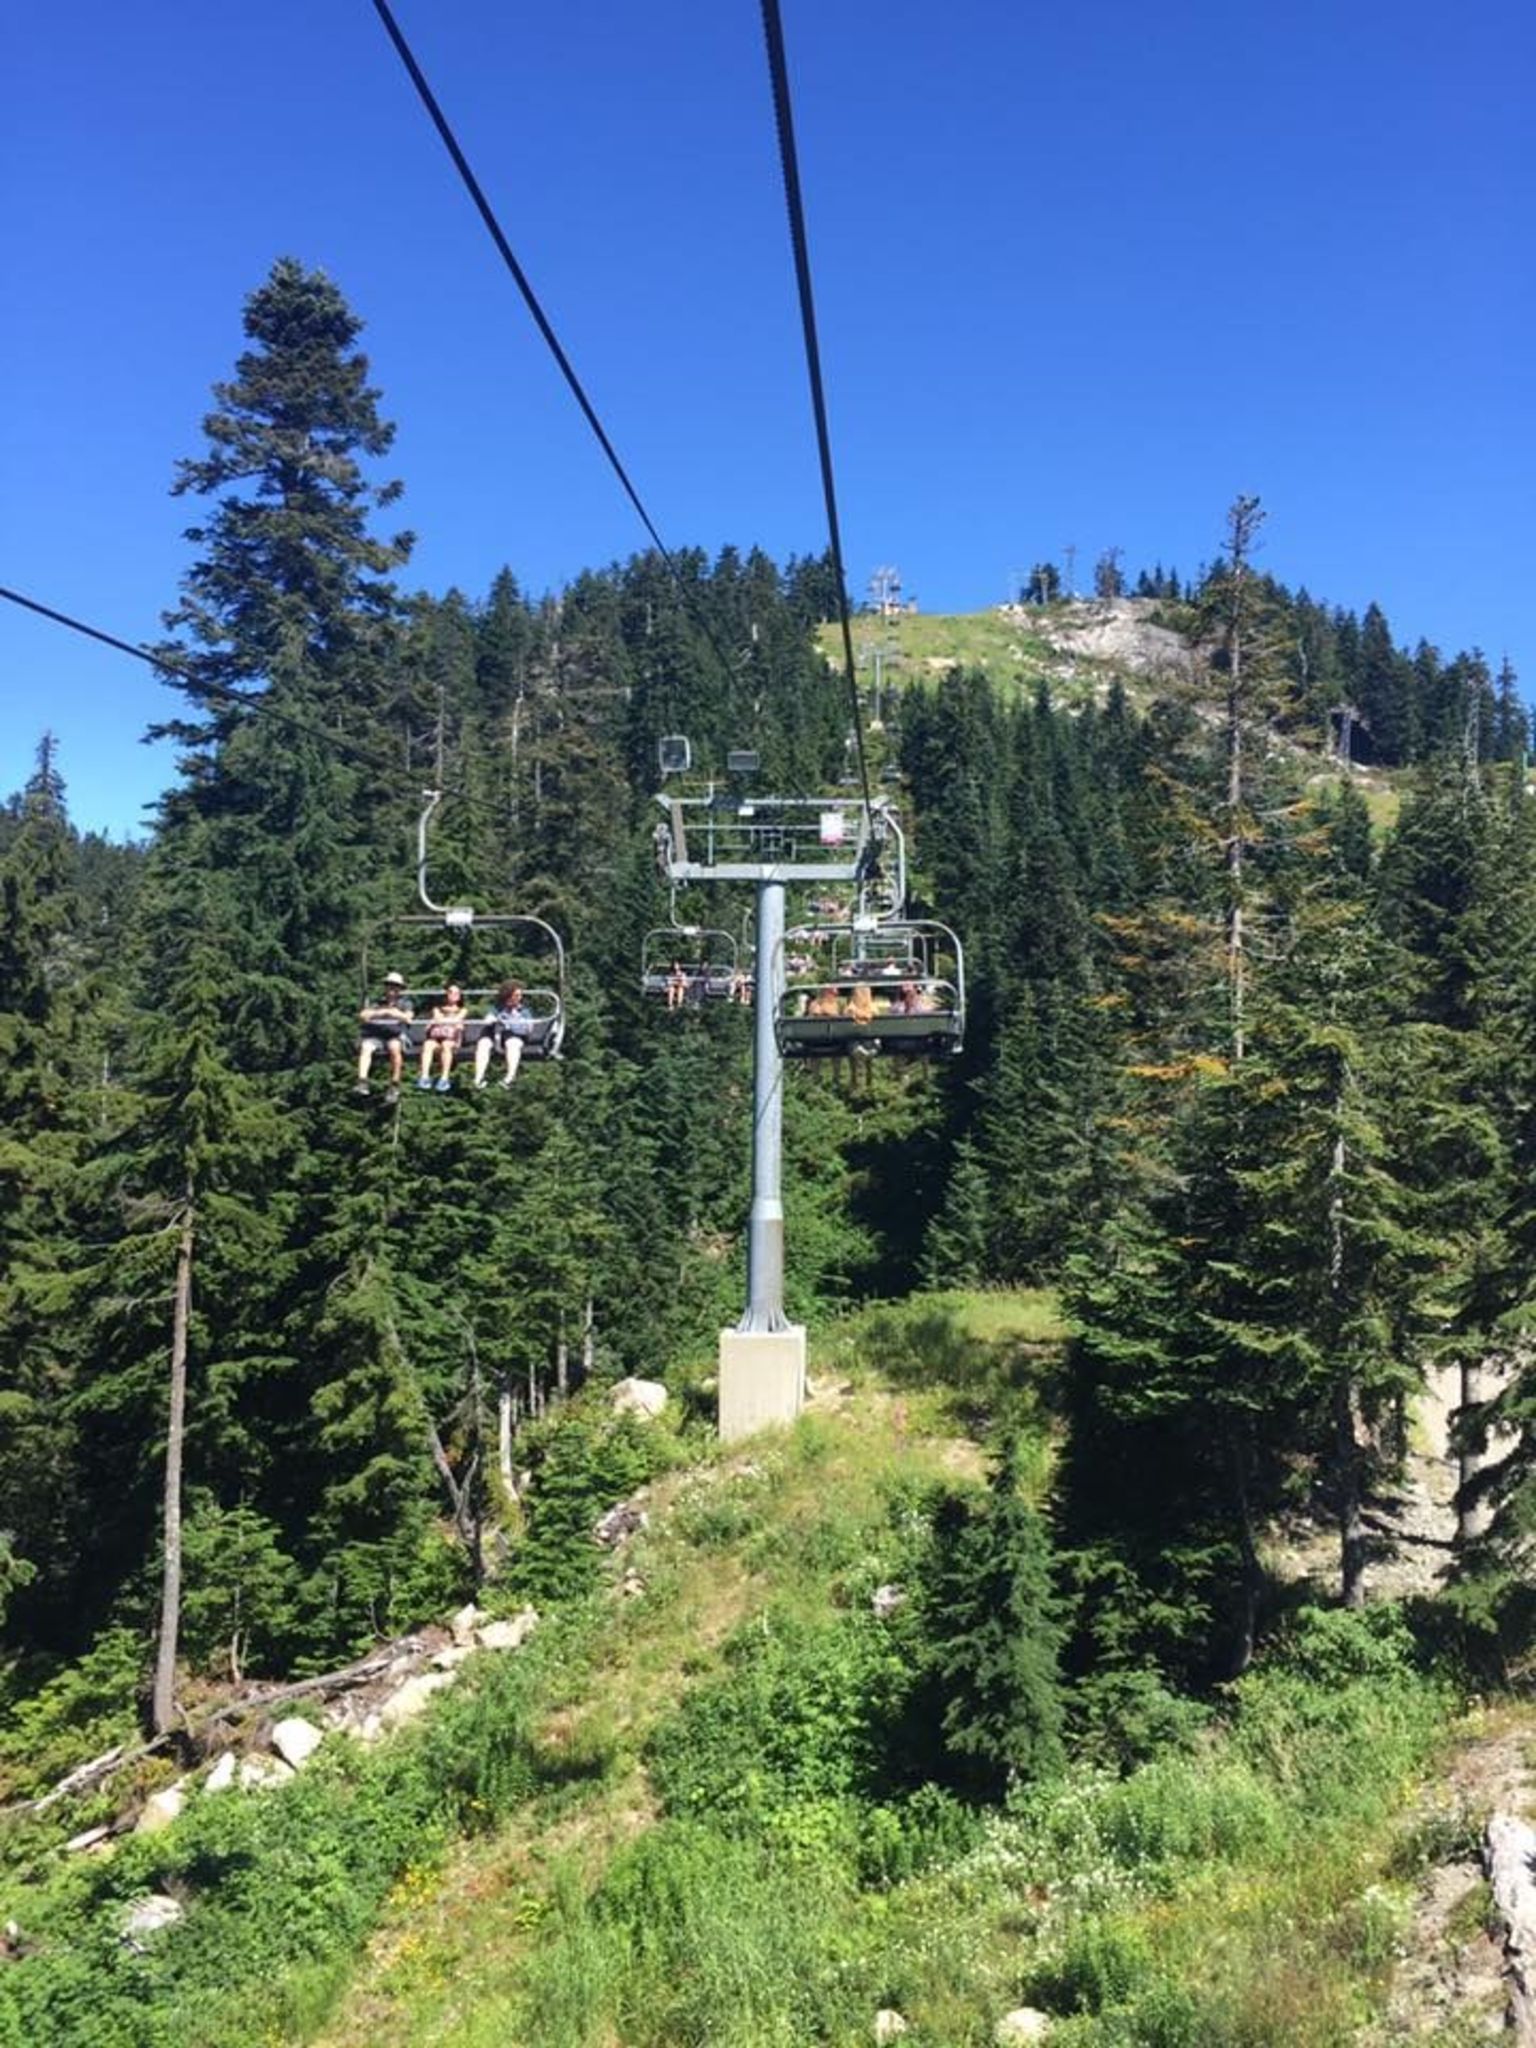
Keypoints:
pixel 995 1636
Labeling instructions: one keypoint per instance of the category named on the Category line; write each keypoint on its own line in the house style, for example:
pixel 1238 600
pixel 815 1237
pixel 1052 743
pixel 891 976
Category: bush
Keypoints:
pixel 582 1466
pixel 801 1715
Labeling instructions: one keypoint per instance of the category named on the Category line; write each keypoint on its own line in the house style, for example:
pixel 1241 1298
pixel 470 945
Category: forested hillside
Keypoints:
pixel 1248 1079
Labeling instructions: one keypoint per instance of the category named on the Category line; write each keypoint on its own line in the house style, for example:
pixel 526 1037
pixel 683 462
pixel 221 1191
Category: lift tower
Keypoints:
pixel 733 835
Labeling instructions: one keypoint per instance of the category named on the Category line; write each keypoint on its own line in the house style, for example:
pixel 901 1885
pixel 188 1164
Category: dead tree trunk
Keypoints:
pixel 163 1702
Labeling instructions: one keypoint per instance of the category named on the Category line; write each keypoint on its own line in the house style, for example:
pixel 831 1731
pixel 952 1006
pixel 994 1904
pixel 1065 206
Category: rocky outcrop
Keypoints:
pixel 645 1398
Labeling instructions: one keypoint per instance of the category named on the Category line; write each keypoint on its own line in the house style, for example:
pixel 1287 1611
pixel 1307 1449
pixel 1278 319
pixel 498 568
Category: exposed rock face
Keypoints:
pixel 645 1398
pixel 296 1741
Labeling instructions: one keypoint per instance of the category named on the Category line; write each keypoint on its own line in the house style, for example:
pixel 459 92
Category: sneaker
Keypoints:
pixel 425 1081
pixel 392 1093
pixel 443 1084
pixel 506 1081
pixel 482 1082
pixel 360 1088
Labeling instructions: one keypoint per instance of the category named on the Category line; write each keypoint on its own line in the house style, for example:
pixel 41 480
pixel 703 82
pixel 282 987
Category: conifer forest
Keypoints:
pixel 994 1687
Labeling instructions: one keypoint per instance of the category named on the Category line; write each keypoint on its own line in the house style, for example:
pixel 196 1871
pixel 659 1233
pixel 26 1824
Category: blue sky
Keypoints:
pixel 1082 276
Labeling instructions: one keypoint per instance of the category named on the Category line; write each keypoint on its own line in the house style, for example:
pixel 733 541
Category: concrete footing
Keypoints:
pixel 762 1379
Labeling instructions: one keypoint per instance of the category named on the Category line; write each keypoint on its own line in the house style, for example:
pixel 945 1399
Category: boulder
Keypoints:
pixel 510 1634
pixel 645 1398
pixel 222 1776
pixel 451 1658
pixel 260 1773
pixel 889 2024
pixel 296 1741
pixel 885 1600
pixel 160 1809
pixel 412 1697
pixel 464 1623
pixel 149 1915
pixel 1016 2029
pixel 620 1523
pixel 631 1585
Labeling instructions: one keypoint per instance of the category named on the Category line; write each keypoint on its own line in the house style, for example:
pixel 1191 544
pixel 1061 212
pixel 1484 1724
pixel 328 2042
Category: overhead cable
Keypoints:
pixel 778 69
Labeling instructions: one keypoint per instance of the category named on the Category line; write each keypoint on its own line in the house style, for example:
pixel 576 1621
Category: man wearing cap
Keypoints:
pixel 384 1023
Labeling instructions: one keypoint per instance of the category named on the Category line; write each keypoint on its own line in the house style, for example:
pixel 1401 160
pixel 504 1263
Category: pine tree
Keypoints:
pixel 995 1636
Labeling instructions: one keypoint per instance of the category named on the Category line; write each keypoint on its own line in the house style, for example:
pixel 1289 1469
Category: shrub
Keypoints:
pixel 800 1715
pixel 582 1466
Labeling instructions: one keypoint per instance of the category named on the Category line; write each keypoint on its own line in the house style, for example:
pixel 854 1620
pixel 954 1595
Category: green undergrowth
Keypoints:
pixel 718 1807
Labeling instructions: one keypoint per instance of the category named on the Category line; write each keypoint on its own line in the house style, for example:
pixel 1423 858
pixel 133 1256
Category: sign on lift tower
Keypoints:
pixel 769 842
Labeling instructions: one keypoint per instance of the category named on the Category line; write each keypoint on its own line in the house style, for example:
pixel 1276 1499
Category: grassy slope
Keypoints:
pixel 920 645
pixel 1245 1895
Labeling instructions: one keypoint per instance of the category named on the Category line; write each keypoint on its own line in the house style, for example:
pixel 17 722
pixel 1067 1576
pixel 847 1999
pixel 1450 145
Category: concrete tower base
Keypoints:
pixel 762 1379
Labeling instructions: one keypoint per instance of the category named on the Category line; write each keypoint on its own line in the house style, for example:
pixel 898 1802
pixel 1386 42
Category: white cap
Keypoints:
pixel 395 977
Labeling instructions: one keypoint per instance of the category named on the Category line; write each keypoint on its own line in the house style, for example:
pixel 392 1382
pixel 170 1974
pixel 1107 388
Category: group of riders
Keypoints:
pixel 386 1025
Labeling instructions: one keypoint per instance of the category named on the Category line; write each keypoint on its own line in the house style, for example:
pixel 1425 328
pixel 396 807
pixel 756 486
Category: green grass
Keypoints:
pixel 919 646
pixel 668 1825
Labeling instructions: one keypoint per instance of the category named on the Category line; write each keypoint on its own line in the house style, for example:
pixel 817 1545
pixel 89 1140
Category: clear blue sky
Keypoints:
pixel 1082 277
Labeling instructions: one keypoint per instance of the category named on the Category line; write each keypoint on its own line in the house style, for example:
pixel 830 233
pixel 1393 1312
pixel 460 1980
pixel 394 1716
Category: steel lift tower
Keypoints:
pixel 770 843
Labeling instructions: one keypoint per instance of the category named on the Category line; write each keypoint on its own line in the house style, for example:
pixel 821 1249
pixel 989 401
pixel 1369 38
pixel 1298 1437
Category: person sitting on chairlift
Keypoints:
pixel 825 1003
pixel 915 1001
pixel 445 1034
pixel 509 1023
pixel 384 1023
pixel 861 1004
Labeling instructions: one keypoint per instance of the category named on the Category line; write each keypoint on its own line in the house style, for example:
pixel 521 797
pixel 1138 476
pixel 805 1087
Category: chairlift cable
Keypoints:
pixel 220 695
pixel 773 31
pixel 540 319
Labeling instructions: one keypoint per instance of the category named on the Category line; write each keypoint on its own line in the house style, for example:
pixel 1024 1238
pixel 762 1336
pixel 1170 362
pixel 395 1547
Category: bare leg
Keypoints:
pixel 514 1060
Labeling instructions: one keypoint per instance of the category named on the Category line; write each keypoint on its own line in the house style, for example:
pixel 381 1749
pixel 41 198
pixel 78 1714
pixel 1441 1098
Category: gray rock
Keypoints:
pixel 619 1524
pixel 645 1398
pixel 885 1600
pixel 296 1741
pixel 222 1776
pixel 147 1916
pixel 464 1624
pixel 508 1635
pixel 261 1773
pixel 411 1699
pixel 451 1658
pixel 1016 2029
pixel 889 2024
pixel 160 1809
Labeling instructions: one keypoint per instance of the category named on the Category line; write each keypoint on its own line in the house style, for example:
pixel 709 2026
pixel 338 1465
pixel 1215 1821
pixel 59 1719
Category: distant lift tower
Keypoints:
pixel 771 842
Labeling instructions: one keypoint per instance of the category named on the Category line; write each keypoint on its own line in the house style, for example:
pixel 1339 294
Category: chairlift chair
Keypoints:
pixel 911 970
pixel 537 963
pixel 710 960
